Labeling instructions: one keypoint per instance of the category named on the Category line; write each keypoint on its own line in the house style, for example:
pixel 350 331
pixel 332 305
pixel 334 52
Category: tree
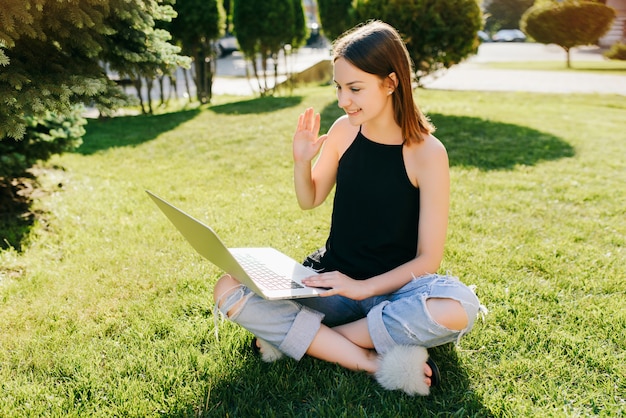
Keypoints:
pixel 277 29
pixel 300 32
pixel 227 5
pixel 196 28
pixel 53 52
pixel 438 33
pixel 144 54
pixel 52 55
pixel 263 28
pixel 567 24
pixel 505 14
pixel 336 16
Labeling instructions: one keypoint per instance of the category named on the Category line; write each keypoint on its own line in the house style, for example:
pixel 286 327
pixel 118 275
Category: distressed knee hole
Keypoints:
pixel 448 313
pixel 226 291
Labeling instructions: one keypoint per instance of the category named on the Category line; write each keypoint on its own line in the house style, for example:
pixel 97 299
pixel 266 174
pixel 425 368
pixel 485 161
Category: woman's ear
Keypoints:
pixel 392 79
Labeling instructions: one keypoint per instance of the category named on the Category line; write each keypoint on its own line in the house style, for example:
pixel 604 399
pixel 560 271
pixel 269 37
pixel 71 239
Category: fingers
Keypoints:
pixel 317 281
pixel 309 121
pixel 316 123
pixel 322 281
pixel 300 122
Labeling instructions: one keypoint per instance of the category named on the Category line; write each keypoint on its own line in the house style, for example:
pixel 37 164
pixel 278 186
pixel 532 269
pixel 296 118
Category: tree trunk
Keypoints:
pixel 275 57
pixel 264 59
pixel 204 73
pixel 149 84
pixel 137 83
pixel 161 90
pixel 210 75
pixel 255 69
pixel 173 86
pixel 186 76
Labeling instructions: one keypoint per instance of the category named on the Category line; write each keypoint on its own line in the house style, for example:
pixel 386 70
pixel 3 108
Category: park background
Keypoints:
pixel 106 311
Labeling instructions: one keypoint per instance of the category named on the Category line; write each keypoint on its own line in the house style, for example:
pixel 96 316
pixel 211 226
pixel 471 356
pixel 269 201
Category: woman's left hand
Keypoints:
pixel 339 284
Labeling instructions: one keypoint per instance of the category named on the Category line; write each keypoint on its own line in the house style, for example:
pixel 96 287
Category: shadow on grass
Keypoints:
pixel 488 145
pixel 257 106
pixel 313 388
pixel 16 217
pixel 127 131
pixel 484 144
pixel 134 130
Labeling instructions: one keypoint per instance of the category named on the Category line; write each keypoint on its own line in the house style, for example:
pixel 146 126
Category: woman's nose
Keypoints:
pixel 342 100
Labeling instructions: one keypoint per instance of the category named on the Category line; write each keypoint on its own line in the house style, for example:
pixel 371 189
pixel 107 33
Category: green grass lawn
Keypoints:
pixel 613 67
pixel 107 311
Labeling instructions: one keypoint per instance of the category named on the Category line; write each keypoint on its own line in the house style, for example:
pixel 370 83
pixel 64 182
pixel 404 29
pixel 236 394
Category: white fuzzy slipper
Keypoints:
pixel 402 368
pixel 267 351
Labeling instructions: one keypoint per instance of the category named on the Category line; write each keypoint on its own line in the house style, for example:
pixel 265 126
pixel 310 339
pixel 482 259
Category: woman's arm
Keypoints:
pixel 313 184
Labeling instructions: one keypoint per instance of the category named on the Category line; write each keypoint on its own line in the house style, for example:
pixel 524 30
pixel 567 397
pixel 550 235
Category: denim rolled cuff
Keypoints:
pixel 302 332
pixel 382 340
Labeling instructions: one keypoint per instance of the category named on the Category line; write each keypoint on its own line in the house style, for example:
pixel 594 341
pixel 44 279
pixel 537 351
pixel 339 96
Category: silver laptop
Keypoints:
pixel 266 271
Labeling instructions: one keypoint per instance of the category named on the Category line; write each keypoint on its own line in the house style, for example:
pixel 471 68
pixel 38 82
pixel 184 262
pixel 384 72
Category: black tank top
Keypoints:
pixel 375 213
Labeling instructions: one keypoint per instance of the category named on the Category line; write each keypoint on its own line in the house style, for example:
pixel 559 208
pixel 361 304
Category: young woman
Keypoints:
pixel 384 304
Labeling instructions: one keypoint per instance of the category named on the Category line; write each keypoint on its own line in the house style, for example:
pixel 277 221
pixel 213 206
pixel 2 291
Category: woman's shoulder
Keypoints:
pixel 427 159
pixel 342 126
pixel 428 149
pixel 341 134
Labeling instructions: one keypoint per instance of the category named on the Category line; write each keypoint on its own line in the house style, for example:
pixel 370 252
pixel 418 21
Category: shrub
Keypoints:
pixel 44 136
pixel 505 14
pixel 335 16
pixel 438 33
pixel 617 52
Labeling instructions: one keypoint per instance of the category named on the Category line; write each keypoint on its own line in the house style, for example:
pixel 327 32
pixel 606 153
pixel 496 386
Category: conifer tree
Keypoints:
pixel 53 53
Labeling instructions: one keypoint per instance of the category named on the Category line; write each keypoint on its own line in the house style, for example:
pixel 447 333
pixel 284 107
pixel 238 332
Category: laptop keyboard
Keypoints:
pixel 264 276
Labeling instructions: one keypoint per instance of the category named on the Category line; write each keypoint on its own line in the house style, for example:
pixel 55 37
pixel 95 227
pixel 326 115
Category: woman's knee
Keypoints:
pixel 448 313
pixel 223 289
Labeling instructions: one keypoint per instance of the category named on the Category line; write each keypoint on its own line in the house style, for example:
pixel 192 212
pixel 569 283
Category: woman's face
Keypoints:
pixel 363 96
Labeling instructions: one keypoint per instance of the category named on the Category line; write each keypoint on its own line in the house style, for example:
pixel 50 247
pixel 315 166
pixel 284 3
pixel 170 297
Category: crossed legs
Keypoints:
pixel 350 345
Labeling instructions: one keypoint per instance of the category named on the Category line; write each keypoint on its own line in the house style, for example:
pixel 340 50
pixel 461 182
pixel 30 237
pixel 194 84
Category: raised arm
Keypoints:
pixel 313 182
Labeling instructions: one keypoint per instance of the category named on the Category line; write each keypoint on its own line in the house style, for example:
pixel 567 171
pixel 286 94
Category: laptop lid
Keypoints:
pixel 207 243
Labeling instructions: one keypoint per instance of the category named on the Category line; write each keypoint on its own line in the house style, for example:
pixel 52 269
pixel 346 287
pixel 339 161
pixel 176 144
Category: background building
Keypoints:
pixel 617 32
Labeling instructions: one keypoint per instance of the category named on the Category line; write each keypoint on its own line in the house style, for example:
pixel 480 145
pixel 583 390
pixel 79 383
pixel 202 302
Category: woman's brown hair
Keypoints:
pixel 377 48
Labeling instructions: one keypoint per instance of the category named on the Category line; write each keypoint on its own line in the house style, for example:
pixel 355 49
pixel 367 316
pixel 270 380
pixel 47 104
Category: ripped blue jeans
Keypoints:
pixel 397 318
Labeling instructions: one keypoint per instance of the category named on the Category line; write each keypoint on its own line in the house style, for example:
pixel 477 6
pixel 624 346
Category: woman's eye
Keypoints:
pixel 355 90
